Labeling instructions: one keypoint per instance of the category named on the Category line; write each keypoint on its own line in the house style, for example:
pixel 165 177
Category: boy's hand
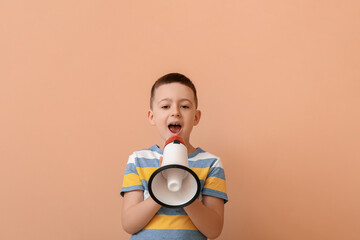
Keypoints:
pixel 160 161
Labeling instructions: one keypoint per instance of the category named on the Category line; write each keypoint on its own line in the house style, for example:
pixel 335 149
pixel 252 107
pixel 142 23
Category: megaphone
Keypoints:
pixel 174 184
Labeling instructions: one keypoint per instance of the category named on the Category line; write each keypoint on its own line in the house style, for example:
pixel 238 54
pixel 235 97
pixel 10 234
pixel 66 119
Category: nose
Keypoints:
pixel 175 112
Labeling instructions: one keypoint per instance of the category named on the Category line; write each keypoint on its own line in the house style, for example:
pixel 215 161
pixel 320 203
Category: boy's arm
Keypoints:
pixel 137 212
pixel 207 215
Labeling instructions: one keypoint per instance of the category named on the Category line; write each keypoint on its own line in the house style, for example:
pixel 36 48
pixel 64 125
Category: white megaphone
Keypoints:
pixel 174 184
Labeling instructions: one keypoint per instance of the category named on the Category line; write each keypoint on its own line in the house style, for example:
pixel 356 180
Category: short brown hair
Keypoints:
pixel 173 78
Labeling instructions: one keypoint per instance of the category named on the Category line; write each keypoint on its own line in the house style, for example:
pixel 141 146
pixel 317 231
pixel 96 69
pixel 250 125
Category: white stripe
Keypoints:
pixel 149 154
pixel 131 158
pixel 201 156
pixel 143 154
pixel 206 155
pixel 218 163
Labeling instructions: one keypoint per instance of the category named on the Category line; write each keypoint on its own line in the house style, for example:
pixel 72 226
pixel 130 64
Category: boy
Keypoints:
pixel 173 111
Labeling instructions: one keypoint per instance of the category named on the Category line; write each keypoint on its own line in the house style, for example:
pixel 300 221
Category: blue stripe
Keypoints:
pixel 202 183
pixel 145 184
pixel 154 162
pixel 203 163
pixel 147 162
pixel 215 193
pixel 155 148
pixel 197 151
pixel 160 234
pixel 217 172
pixel 131 168
pixel 132 188
pixel 171 211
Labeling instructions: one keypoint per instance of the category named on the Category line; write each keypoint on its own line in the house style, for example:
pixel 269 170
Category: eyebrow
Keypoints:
pixel 181 100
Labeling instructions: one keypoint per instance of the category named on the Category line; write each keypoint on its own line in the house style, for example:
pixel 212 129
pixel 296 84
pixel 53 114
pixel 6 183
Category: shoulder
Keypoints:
pixel 206 158
pixel 145 155
pixel 148 152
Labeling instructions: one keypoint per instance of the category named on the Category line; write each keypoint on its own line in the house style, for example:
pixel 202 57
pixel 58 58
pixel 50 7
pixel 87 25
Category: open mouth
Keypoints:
pixel 174 128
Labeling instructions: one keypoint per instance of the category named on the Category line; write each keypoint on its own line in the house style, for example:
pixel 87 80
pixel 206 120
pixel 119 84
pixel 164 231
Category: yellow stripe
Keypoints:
pixel 215 184
pixel 131 180
pixel 201 172
pixel 145 173
pixel 171 222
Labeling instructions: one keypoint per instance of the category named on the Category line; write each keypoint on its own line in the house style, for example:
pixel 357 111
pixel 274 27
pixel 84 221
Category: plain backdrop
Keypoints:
pixel 279 89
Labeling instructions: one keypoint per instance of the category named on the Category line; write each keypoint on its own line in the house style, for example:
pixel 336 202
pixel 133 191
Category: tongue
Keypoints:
pixel 174 129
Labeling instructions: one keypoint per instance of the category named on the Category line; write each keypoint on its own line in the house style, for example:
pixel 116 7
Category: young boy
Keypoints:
pixel 173 111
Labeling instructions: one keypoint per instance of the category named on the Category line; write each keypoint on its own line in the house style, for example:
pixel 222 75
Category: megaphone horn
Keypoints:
pixel 174 184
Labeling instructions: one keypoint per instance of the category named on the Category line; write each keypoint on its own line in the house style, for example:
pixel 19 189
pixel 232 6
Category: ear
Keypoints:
pixel 151 117
pixel 197 117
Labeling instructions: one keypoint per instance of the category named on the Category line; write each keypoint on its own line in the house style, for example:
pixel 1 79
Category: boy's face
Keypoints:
pixel 174 111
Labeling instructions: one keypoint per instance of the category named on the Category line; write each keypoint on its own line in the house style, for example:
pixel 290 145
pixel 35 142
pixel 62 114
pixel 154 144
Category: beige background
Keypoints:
pixel 279 88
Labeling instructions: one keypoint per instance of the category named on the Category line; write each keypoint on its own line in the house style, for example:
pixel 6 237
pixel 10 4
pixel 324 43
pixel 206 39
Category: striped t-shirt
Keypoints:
pixel 173 223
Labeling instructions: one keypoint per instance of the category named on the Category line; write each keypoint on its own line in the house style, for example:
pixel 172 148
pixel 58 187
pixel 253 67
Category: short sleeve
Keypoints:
pixel 132 179
pixel 215 184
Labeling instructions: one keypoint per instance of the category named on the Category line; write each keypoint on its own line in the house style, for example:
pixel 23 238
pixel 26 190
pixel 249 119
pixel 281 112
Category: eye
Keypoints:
pixel 185 106
pixel 165 107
